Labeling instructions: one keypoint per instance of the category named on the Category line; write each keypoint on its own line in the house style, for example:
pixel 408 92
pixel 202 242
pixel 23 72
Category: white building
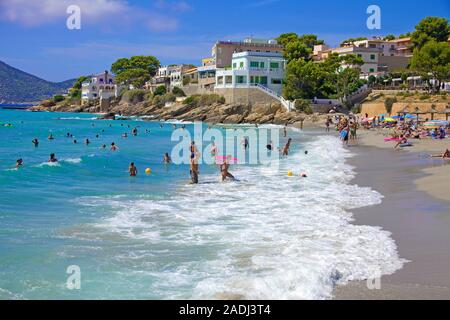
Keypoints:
pixel 370 56
pixel 253 68
pixel 101 85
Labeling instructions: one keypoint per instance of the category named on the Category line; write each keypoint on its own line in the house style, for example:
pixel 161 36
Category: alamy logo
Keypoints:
pixel 74 280
pixel 374 20
pixel 74 20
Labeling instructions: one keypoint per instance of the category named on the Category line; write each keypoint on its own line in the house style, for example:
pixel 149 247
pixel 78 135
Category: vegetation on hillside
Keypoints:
pixel 135 70
pixel 18 86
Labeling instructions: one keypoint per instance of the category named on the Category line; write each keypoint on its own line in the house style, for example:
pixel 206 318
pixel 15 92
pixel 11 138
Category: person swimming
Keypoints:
pixel 75 141
pixel 132 170
pixel 114 147
pixel 87 142
pixel 214 149
pixel 135 132
pixel 104 146
pixel 51 137
pixel 19 163
pixel 167 158
pixel 52 158
pixel 125 135
pixel 35 141
pixel 269 146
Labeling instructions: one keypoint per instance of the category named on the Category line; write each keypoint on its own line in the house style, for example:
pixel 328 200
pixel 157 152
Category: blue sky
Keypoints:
pixel 34 36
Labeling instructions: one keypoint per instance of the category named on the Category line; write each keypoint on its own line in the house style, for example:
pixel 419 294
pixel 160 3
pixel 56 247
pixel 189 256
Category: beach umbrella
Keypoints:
pixel 447 112
pixel 410 116
pixel 390 120
pixel 432 111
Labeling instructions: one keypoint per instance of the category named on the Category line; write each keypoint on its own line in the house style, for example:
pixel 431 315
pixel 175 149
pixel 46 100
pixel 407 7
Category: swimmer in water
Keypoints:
pixel 269 146
pixel 125 135
pixel 135 132
pixel 167 158
pixel 19 163
pixel 35 142
pixel 50 137
pixel 104 146
pixel 306 152
pixel 52 158
pixel 75 141
pixel 87 142
pixel 132 170
pixel 114 147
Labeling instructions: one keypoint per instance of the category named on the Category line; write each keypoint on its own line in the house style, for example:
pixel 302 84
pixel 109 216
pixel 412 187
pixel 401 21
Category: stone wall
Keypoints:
pixel 375 109
pixel 246 96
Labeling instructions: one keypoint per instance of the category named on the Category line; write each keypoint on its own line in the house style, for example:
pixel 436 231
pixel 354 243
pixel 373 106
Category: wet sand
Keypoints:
pixel 419 223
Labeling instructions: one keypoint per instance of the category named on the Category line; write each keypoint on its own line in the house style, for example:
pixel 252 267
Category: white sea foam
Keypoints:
pixel 48 164
pixel 269 237
pixel 72 160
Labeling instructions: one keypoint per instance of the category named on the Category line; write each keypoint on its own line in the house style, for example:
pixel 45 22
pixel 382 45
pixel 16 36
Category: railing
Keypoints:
pixel 289 105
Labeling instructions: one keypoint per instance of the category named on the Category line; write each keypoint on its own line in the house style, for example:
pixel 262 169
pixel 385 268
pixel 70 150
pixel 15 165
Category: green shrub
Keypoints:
pixel 58 98
pixel 178 92
pixel 160 90
pixel 186 81
pixel 197 100
pixel 356 108
pixel 389 102
pixel 303 105
pixel 424 96
pixel 148 96
pixel 135 96
pixel 158 101
pixel 169 97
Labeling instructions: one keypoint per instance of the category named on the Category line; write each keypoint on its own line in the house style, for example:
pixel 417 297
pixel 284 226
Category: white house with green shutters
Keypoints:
pixel 253 68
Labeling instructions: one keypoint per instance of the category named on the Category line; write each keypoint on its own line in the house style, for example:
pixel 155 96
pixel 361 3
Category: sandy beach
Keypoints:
pixel 415 209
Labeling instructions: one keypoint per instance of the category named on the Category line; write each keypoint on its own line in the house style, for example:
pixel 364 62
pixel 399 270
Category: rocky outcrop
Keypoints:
pixel 273 113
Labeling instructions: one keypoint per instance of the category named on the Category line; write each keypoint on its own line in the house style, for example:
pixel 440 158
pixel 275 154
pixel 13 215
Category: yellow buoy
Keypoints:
pixel 148 171
pixel 290 174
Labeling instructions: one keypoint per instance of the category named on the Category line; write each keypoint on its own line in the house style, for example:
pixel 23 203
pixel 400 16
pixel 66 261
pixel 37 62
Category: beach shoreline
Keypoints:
pixel 414 209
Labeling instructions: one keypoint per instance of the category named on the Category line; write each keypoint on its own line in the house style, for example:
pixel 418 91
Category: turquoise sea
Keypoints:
pixel 268 236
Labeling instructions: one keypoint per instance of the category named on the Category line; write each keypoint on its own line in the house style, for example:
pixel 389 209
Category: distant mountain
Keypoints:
pixel 17 86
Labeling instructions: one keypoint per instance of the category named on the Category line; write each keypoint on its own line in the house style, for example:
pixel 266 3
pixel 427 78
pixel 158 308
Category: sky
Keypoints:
pixel 35 37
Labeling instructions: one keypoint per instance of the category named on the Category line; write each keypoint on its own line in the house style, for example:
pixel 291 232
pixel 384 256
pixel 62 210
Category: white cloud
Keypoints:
pixel 93 12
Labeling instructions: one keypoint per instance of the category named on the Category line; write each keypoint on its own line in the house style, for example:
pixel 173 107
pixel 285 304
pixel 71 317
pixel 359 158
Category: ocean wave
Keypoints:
pixel 268 237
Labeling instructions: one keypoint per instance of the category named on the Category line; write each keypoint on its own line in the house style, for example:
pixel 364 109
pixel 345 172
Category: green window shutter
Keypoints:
pixel 274 65
pixel 263 80
pixel 241 65
pixel 372 57
pixel 254 64
pixel 234 65
pixel 261 65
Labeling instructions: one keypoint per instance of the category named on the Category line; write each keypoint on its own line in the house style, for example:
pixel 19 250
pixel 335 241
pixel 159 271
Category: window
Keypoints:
pixel 241 65
pixel 228 79
pixel 274 65
pixel 263 80
pixel 219 80
pixel 359 55
pixel 261 65
pixel 254 64
pixel 372 57
pixel 234 65
pixel 252 79
pixel 241 79
pixel 371 70
pixel 276 81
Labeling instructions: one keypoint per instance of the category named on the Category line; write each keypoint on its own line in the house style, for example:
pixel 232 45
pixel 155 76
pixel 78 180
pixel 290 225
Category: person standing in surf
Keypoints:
pixel 286 148
pixel 194 163
pixel 224 170
pixel 132 170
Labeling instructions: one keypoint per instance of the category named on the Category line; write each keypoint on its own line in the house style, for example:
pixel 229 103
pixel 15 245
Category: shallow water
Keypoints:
pixel 267 236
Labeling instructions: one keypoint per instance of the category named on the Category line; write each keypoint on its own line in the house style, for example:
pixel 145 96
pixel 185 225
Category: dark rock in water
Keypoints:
pixel 108 116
